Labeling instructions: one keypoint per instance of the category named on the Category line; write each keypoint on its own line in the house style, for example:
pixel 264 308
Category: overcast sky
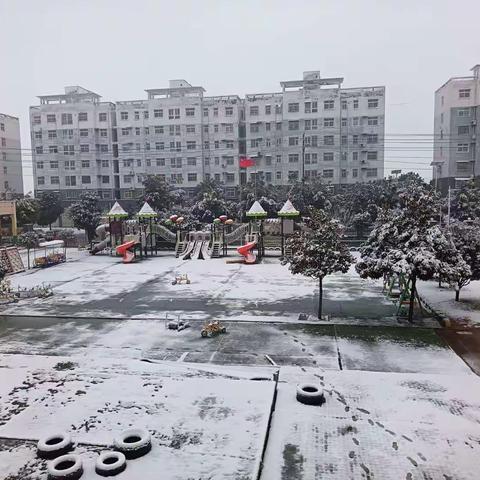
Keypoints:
pixel 118 48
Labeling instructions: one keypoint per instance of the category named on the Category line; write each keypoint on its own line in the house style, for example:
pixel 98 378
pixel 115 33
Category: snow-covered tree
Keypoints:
pixel 158 193
pixel 86 214
pixel 49 208
pixel 319 250
pixel 407 241
pixel 27 210
pixel 466 238
pixel 466 202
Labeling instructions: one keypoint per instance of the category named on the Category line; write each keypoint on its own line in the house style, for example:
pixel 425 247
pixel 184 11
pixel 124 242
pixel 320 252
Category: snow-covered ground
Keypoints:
pixel 442 300
pixel 102 286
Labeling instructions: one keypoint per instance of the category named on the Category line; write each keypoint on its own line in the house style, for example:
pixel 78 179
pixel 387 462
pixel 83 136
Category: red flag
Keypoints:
pixel 246 162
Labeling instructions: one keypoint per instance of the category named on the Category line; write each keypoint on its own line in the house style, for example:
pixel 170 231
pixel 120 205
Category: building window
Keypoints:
pixel 40 180
pixel 355 139
pixel 278 126
pixel 102 117
pixel 215 111
pixel 354 156
pixel 328 140
pixel 268 126
pixel 136 115
pixel 311 107
pixel 69 164
pixel 192 177
pixel 355 121
pixel 344 173
pixel 293 158
pixel 176 178
pixel 82 117
pixel 292 141
pixel 51 118
pixel 462 147
pixel 228 111
pixel 128 163
pixel 372 138
pixel 84 148
pixel 190 128
pixel 55 180
pixel 103 148
pixel 39 165
pixel 52 134
pixel 173 113
pixel 463 130
pixel 327 173
pixel 71 181
pixel 371 172
pixel 344 122
pixel 38 135
pixel 53 163
pixel 254 110
pixel 278 175
pixel 464 93
pixel 67 119
pixel 52 149
pixel 191 161
pixel 462 112
pixel 328 122
pixel 105 164
pixel 159 145
pixel 190 111
pixel 344 139
pixel 268 109
pixel 372 155
pixel 344 104
pixel 160 162
pixel 38 150
pixel 85 163
pixel 355 103
pixel 293 125
pixel 229 144
pixel 86 179
pixel 293 107
pixel 254 128
pixel 103 132
pixel 327 156
pixel 84 132
pixel 105 179
pixel 37 119
pixel 229 128
pixel 279 159
pixel 372 121
pixel 372 103
pixel 124 115
pixel 191 145
pixel 158 113
pixel 328 104
pixel 127 178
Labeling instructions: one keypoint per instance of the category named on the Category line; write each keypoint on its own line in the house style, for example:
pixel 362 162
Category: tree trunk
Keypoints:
pixel 412 297
pixel 439 282
pixel 457 294
pixel 320 298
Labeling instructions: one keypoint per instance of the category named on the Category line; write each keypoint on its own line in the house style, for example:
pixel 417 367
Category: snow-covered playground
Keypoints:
pixel 96 358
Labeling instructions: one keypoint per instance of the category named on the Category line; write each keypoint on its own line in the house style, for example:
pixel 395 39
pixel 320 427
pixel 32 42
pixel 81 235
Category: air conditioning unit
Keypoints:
pixel 474 122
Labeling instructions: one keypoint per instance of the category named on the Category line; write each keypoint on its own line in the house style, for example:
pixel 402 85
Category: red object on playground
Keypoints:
pixel 125 251
pixel 245 250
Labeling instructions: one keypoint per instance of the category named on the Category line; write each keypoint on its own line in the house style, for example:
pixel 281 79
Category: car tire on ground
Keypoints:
pixel 204 333
pixel 134 443
pixel 110 463
pixel 310 394
pixel 52 446
pixel 66 467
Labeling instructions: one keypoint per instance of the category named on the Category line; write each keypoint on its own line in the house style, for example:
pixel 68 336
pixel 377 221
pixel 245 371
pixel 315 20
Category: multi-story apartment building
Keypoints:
pixel 74 144
pixel 456 156
pixel 11 177
pixel 315 128
pixel 312 128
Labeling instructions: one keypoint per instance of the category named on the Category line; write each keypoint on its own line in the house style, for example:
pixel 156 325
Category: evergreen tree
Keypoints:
pixel 158 193
pixel 319 251
pixel 27 210
pixel 466 203
pixel 86 214
pixel 407 241
pixel 49 209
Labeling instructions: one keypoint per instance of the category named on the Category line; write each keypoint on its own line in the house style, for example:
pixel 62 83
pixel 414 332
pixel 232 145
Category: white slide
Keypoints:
pixel 197 251
pixel 187 255
pixel 205 252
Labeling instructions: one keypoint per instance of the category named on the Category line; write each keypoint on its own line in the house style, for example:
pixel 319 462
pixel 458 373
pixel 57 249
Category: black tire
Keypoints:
pixel 54 446
pixel 223 330
pixel 110 463
pixel 66 467
pixel 133 443
pixel 204 334
pixel 309 394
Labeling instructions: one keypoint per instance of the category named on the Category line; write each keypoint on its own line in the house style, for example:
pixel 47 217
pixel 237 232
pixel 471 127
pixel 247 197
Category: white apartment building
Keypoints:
pixel 312 128
pixel 456 156
pixel 316 128
pixel 11 176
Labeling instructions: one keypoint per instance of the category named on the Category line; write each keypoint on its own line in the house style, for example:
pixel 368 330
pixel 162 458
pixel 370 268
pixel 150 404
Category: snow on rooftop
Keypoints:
pixel 288 210
pixel 117 211
pixel 256 210
pixel 147 211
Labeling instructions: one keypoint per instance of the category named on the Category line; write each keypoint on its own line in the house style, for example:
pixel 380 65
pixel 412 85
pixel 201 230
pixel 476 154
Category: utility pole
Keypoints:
pixel 303 157
pixel 448 213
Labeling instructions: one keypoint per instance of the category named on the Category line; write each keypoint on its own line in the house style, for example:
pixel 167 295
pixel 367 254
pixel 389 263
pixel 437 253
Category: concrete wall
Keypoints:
pixel 11 174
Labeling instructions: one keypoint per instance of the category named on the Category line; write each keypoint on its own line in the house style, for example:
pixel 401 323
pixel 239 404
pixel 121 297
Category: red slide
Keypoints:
pixel 125 251
pixel 245 250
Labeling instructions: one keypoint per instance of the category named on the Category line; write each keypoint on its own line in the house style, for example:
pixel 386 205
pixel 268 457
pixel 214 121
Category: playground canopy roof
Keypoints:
pixel 117 211
pixel 256 210
pixel 146 211
pixel 288 210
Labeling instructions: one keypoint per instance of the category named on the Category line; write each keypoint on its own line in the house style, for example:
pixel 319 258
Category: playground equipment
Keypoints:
pixel 11 261
pixel 126 251
pixel 182 278
pixel 51 253
pixel 197 246
pixel 246 251
pixel 211 329
pixel 177 324
pixel 398 288
pixel 101 232
pixel 287 213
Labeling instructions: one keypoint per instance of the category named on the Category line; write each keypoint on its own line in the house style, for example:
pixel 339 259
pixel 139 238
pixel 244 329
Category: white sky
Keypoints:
pixel 118 48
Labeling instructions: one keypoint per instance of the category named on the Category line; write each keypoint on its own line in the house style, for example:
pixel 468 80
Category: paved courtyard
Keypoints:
pixel 96 358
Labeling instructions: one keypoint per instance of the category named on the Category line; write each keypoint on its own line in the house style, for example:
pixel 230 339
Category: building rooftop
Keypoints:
pixel 311 80
pixel 73 94
pixel 177 88
pixel 4 115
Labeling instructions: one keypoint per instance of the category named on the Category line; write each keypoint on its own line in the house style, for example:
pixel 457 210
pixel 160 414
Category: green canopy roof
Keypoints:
pixel 146 211
pixel 256 210
pixel 117 211
pixel 288 210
